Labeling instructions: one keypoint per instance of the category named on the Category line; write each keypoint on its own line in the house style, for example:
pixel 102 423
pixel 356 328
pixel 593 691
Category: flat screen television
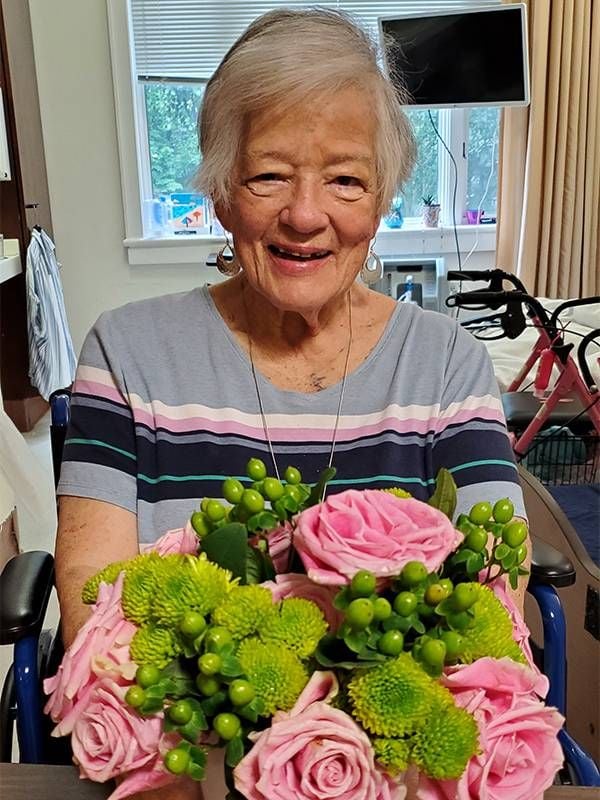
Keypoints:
pixel 468 58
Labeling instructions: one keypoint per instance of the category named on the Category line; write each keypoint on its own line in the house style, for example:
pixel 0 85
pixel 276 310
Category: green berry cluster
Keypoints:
pixel 262 506
pixel 493 540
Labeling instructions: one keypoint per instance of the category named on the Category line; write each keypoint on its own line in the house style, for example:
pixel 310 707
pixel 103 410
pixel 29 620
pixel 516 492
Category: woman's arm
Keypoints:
pixel 91 534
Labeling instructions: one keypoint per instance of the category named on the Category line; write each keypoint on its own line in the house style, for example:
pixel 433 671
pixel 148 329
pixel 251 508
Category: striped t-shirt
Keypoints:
pixel 164 408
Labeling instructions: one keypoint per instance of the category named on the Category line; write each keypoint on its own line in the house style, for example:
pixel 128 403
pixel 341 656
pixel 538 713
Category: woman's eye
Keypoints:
pixel 266 177
pixel 347 180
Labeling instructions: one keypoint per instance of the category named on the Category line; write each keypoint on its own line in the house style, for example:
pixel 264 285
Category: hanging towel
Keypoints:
pixel 52 359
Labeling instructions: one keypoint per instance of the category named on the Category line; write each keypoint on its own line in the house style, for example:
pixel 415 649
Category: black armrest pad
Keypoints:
pixel 25 586
pixel 550 566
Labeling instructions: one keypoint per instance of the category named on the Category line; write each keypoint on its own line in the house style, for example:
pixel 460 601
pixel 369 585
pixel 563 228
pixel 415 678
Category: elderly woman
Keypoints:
pixel 293 359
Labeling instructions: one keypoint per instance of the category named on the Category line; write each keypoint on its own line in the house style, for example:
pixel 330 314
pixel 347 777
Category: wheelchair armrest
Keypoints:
pixel 549 566
pixel 25 586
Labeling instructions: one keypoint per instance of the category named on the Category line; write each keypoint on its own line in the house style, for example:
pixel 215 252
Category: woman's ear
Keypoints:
pixel 223 214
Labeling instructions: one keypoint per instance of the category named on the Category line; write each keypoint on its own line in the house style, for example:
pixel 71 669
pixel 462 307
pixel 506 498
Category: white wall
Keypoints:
pixel 72 57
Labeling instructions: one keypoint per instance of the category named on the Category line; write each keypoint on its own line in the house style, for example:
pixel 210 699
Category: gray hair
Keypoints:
pixel 283 57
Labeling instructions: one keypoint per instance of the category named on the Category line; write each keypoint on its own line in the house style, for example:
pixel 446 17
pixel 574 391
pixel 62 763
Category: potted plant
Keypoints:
pixel 431 212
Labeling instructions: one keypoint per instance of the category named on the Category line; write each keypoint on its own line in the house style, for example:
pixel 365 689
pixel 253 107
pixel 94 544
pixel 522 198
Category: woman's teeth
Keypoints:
pixel 278 251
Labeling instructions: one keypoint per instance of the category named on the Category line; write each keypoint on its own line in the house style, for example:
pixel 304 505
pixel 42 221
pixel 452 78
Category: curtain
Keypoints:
pixel 549 177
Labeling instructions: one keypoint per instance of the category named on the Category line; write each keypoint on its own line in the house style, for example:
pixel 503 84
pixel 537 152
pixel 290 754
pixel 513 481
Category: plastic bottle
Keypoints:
pixel 406 296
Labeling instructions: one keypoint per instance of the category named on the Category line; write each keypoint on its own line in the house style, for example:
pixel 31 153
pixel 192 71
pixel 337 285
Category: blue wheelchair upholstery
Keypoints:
pixel 27 581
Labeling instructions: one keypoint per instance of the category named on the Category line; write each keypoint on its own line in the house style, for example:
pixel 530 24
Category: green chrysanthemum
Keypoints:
pixel 298 624
pixel 154 644
pixel 392 754
pixel 442 747
pixel 395 698
pixel 276 674
pixel 194 585
pixel 491 633
pixel 109 574
pixel 138 592
pixel 397 492
pixel 244 610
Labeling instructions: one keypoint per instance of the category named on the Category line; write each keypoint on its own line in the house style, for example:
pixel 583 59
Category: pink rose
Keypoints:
pixel 312 753
pixel 280 542
pixel 371 530
pixel 520 631
pixel 100 649
pixel 517 735
pixel 110 739
pixel 294 585
pixel 179 540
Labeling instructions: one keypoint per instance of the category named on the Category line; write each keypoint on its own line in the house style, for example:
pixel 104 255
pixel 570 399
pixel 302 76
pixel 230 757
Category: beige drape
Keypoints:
pixel 549 181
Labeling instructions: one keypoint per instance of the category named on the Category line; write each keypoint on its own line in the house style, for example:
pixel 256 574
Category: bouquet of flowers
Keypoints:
pixel 333 648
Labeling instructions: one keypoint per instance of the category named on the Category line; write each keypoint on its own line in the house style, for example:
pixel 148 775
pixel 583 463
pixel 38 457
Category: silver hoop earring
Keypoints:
pixel 227 263
pixel 372 269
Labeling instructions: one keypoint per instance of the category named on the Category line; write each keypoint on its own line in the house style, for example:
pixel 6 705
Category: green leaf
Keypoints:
pixel 251 711
pixel 227 547
pixel 513 577
pixel 263 521
pixel 151 706
pixel 444 496
pixel 509 560
pixel 475 563
pixel 234 752
pixel 356 640
pixel 254 566
pixel 192 729
pixel 212 704
pixel 231 667
pixel 197 766
pixel 326 475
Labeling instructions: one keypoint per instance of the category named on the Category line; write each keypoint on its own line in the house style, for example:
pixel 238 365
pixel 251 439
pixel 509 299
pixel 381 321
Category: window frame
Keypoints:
pixel 136 183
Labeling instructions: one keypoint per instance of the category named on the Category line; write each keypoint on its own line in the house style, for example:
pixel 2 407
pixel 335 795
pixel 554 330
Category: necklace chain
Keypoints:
pixel 340 401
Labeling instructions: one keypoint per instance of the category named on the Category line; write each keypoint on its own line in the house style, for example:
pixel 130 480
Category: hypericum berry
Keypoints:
pixel 459 620
pixel 363 584
pixel 258 486
pixel 180 712
pixel 405 603
pixel 135 696
pixel 232 490
pixel 210 664
pixel 216 638
pixel 293 491
pixel 214 511
pixel 435 593
pixel 463 596
pixel 447 584
pixel 200 523
pixel 227 725
pixel 476 540
pixel 256 470
pixel 204 503
pixel 382 609
pixel 514 533
pixel 176 761
pixel 480 513
pixel 192 624
pixel 359 613
pixel 207 685
pixel 252 501
pixel 413 573
pixel 453 642
pixel 521 553
pixel 147 675
pixel 391 643
pixel 292 475
pixel 241 692
pixel 503 510
pixel 272 489
pixel 433 652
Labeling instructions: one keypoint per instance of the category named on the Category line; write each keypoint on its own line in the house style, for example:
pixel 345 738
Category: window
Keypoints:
pixel 172 50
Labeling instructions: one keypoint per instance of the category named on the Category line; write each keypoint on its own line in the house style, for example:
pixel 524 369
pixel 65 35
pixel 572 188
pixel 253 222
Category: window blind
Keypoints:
pixel 188 38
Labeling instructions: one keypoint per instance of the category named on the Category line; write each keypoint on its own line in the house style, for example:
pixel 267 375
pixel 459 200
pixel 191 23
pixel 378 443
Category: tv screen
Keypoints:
pixel 471 58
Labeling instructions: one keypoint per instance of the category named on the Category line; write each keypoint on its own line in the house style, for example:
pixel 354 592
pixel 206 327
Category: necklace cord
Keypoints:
pixel 260 402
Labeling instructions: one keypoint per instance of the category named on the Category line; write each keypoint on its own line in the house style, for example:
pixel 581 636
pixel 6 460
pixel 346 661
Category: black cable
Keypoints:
pixel 569 331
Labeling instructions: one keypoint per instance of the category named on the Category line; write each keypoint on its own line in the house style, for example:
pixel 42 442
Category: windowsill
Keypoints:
pixel 411 239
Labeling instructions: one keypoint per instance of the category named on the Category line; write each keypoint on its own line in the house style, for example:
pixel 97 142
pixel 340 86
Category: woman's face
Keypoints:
pixel 304 202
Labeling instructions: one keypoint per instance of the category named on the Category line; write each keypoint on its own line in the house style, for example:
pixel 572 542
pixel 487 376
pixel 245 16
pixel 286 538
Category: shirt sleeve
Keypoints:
pixel 99 457
pixel 471 439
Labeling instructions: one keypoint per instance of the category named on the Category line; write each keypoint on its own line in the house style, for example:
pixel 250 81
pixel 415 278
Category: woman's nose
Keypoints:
pixel 304 211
